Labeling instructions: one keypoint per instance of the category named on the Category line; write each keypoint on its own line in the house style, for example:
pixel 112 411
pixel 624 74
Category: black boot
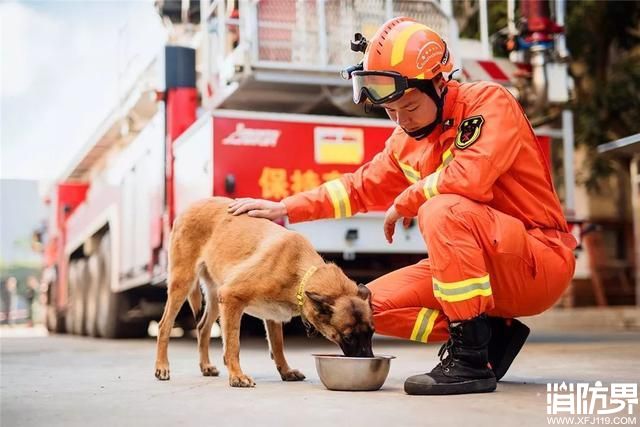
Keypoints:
pixel 465 369
pixel 507 338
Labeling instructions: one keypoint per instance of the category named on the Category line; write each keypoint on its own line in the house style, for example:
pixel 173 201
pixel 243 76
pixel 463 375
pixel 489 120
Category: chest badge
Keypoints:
pixel 469 131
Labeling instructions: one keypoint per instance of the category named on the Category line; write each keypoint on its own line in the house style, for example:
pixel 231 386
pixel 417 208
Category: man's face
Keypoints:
pixel 412 111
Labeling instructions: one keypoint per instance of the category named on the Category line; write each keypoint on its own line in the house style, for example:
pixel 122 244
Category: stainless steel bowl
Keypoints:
pixel 343 373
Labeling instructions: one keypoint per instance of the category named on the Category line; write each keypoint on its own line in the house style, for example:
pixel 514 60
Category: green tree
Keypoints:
pixel 603 39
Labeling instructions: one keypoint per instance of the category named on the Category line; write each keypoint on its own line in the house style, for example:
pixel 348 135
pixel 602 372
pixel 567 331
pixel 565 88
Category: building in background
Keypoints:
pixel 22 212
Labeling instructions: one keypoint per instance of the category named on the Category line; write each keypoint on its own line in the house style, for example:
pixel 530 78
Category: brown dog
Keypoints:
pixel 251 265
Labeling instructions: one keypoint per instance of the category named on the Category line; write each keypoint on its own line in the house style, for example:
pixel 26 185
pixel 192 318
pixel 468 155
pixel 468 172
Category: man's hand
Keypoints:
pixel 390 218
pixel 258 208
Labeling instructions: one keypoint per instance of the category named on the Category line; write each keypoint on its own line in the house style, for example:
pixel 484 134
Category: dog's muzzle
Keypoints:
pixel 357 345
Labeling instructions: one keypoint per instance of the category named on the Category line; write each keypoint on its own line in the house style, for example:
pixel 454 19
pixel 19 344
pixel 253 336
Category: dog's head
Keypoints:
pixel 341 311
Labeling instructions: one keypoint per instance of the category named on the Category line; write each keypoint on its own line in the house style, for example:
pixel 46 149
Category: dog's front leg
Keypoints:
pixel 230 315
pixel 276 345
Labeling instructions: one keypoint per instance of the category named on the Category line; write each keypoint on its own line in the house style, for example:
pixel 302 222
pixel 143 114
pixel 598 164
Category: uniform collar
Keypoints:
pixel 450 100
pixel 448 125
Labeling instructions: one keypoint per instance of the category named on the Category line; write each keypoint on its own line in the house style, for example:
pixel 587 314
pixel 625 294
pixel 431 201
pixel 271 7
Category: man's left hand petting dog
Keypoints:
pixel 254 266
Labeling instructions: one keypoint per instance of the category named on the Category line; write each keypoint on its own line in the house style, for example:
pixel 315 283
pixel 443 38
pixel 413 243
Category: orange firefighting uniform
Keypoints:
pixel 480 187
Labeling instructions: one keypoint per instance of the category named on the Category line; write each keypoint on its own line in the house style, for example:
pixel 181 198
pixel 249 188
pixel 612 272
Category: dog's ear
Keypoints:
pixel 323 304
pixel 364 292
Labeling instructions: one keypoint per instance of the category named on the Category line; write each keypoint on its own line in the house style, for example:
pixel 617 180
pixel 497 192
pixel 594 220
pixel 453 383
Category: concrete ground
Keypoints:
pixel 71 381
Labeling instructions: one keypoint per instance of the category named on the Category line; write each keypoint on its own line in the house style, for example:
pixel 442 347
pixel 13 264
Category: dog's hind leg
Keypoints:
pixel 205 322
pixel 179 285
pixel 276 346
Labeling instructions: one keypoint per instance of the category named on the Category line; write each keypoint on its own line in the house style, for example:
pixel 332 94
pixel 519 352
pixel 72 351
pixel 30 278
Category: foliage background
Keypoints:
pixel 603 38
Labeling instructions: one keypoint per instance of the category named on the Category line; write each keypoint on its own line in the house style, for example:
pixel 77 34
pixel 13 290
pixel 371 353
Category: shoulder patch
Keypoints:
pixel 469 131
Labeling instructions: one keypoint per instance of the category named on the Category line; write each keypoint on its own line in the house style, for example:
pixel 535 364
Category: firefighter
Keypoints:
pixel 464 161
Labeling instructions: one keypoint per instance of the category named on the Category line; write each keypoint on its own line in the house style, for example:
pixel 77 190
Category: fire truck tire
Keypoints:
pixel 54 320
pixel 80 299
pixel 95 273
pixel 71 284
pixel 107 314
pixel 112 306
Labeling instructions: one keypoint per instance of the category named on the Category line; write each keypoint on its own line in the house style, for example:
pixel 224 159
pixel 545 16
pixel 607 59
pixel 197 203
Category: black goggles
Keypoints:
pixel 380 86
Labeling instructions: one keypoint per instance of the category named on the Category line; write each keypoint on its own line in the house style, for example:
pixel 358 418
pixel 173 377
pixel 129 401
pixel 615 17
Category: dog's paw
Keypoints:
pixel 292 375
pixel 209 370
pixel 241 381
pixel 162 372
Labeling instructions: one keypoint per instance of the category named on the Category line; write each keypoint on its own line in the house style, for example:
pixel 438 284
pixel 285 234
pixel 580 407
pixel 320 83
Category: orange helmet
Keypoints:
pixel 403 54
pixel 408 48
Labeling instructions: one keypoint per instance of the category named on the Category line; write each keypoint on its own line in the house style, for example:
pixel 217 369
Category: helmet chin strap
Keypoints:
pixel 428 88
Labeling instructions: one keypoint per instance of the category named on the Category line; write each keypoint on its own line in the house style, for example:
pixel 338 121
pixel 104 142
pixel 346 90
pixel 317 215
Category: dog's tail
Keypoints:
pixel 195 302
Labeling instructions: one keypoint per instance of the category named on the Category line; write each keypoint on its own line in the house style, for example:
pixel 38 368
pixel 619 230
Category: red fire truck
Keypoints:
pixel 254 108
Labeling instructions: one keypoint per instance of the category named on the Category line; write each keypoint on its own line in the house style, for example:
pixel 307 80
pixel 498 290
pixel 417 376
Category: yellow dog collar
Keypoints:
pixel 303 282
